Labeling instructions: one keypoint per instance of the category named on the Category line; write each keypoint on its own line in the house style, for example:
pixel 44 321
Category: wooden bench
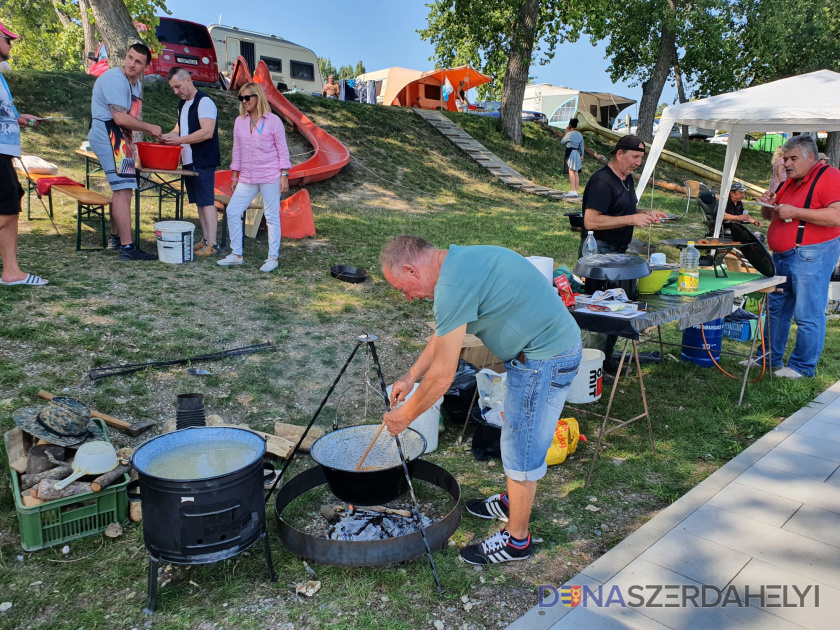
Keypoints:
pixel 89 203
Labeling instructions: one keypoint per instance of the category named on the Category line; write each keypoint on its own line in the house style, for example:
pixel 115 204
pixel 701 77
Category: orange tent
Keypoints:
pixel 413 88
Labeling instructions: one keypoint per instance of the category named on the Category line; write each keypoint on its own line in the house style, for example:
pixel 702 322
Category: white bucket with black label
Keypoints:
pixel 589 380
pixel 174 241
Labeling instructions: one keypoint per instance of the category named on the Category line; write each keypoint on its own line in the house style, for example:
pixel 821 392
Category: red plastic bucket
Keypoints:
pixel 158 156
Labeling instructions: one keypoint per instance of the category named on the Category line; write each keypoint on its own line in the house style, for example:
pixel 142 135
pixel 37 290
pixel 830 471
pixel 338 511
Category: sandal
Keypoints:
pixel 35 281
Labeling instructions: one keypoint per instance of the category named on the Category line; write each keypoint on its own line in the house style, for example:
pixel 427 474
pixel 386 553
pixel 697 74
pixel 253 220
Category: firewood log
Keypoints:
pixel 135 511
pixel 46 490
pixel 57 473
pixel 105 480
pixel 17 450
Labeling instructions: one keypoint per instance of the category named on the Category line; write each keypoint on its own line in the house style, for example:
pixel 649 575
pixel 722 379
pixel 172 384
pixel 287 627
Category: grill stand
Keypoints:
pixel 369 340
pixel 154 565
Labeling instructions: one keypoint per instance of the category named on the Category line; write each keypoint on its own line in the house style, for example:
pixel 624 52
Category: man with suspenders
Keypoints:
pixel 803 235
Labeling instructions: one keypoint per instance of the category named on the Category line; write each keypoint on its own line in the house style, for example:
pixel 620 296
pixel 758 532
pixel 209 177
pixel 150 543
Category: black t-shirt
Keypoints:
pixel 734 208
pixel 611 196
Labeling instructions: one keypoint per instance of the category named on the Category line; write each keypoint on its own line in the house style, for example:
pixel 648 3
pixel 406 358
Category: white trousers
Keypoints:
pixel 239 202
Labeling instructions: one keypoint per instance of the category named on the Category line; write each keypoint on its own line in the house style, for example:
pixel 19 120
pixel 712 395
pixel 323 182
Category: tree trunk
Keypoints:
pixel 89 30
pixel 652 88
pixel 683 99
pixel 116 28
pixel 832 148
pixel 516 73
pixel 60 10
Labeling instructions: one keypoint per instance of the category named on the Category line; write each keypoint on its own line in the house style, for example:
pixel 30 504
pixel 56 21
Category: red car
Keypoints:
pixel 185 44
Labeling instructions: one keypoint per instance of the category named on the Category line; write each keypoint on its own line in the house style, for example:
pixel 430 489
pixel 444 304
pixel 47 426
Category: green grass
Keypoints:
pixel 404 178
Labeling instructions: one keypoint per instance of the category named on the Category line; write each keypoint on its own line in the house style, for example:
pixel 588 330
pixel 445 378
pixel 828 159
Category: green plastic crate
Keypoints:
pixel 60 521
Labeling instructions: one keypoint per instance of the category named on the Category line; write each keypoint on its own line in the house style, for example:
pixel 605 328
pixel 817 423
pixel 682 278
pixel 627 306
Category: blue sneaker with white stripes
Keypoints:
pixel 494 507
pixel 498 548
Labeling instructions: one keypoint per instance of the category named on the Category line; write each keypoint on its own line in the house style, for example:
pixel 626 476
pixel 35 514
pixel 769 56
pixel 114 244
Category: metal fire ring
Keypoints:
pixel 367 552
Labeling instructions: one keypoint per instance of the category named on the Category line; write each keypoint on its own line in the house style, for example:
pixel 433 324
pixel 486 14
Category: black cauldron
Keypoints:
pixel 204 520
pixel 382 478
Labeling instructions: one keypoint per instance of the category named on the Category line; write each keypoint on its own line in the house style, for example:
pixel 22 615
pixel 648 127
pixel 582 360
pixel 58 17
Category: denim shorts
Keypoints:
pixel 535 395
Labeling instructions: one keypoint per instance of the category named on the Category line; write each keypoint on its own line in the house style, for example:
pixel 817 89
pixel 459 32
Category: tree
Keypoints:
pixel 782 39
pixel 58 34
pixel 326 67
pixel 651 39
pixel 116 28
pixel 502 39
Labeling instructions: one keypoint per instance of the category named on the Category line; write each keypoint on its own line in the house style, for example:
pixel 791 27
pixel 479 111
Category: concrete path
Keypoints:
pixel 484 157
pixel 768 520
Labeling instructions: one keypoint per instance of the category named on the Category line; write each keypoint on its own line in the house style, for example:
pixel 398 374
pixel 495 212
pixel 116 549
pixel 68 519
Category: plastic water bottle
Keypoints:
pixel 689 279
pixel 590 247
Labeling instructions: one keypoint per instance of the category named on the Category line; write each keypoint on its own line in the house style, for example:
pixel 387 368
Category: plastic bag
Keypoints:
pixel 565 441
pixel 457 399
pixel 491 396
pixel 486 440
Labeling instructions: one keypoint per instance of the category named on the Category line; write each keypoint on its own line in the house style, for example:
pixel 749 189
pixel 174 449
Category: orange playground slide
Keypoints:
pixel 329 156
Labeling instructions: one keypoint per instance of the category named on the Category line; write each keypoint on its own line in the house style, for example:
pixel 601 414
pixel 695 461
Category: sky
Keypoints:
pixel 382 33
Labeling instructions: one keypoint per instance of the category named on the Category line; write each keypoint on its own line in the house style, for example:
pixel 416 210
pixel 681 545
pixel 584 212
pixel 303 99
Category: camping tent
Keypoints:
pixel 808 102
pixel 768 142
pixel 414 88
pixel 560 103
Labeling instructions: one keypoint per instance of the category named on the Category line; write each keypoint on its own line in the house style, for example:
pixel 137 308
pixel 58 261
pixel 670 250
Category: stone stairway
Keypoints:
pixel 481 155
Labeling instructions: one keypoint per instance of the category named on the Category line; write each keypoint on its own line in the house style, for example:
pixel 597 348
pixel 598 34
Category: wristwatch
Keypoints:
pixel 284 173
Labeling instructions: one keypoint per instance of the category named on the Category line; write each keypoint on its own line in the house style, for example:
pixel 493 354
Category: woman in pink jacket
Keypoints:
pixel 260 165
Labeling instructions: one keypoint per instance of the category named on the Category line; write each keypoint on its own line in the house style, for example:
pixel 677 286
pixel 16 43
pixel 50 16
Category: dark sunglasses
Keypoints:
pixel 8 39
pixel 246 97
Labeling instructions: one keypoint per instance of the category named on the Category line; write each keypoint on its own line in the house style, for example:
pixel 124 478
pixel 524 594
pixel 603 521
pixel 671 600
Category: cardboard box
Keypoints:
pixel 475 352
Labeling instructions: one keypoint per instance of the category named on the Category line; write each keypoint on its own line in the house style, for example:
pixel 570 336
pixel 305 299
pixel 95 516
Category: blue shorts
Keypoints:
pixel 535 394
pixel 200 187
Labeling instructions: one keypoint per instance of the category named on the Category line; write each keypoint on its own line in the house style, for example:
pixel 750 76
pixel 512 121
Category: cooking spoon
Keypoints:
pixel 370 446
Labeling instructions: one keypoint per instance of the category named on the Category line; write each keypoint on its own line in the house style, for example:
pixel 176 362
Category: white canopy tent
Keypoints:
pixel 809 102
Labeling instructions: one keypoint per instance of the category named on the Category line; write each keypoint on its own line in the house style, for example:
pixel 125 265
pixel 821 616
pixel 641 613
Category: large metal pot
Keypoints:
pixel 382 478
pixel 197 521
pixel 612 271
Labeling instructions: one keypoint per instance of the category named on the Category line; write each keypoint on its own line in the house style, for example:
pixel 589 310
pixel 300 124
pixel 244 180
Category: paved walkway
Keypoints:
pixel 486 158
pixel 770 517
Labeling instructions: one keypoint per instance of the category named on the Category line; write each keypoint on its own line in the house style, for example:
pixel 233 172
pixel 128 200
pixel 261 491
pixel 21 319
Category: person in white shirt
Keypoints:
pixel 198 134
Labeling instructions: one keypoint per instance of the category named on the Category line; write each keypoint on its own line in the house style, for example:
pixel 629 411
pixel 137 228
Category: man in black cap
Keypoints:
pixel 735 206
pixel 610 207
pixel 610 211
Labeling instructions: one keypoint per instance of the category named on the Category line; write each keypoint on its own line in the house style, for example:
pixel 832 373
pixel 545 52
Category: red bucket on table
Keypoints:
pixel 158 156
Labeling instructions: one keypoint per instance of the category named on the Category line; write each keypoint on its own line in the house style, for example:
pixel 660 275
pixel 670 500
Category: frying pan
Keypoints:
pixel 347 273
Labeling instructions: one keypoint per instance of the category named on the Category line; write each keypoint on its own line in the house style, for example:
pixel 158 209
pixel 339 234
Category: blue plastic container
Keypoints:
pixel 694 349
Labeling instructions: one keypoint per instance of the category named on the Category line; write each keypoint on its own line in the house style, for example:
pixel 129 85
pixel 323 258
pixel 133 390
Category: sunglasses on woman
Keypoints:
pixel 246 97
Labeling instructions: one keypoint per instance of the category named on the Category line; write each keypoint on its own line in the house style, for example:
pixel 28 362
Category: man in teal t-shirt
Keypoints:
pixel 501 298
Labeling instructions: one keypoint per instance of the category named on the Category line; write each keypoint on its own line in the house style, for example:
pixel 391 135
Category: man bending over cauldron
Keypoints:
pixel 497 295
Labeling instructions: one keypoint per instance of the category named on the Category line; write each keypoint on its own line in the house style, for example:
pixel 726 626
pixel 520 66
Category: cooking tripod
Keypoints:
pixel 369 340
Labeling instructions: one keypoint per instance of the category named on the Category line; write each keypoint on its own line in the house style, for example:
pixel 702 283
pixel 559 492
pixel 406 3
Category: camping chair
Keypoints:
pixel 707 202
pixel 692 187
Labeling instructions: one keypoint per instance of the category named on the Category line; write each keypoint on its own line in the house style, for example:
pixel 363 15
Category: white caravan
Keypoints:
pixel 292 66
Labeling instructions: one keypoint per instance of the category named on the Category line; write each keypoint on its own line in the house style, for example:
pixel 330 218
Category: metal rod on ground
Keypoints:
pixel 370 446
pixel 37 194
pixel 416 511
pixel 117 370
pixel 315 417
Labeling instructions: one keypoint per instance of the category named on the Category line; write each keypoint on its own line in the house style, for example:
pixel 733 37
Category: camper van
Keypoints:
pixel 291 66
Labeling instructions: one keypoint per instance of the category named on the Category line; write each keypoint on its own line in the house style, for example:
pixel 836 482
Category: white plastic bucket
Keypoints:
pixel 544 264
pixel 426 424
pixel 174 241
pixel 589 380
